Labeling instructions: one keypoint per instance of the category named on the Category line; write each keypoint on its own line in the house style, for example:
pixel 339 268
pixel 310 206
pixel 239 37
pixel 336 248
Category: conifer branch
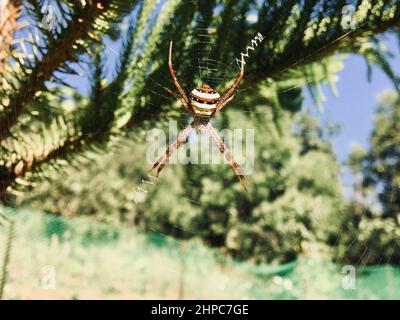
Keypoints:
pixel 9 13
pixel 61 51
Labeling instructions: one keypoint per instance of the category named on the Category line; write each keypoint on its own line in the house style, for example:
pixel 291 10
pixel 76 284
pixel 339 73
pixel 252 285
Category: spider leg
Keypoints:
pixel 220 106
pixel 163 160
pixel 234 165
pixel 231 92
pixel 188 109
pixel 171 70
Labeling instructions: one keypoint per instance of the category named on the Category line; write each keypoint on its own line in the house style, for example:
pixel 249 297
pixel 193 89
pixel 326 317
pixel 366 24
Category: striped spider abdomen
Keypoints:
pixel 204 101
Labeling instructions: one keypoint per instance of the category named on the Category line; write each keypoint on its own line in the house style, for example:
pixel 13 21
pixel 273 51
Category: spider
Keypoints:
pixel 203 104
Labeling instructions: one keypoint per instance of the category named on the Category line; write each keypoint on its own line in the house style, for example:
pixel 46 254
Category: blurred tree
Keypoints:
pixel 52 127
pixel 383 159
pixel 371 227
pixel 290 211
pixel 43 128
pixel 287 211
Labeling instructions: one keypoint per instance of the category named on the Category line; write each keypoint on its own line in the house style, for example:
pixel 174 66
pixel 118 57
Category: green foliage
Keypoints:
pixel 50 60
pixel 137 266
pixel 291 205
pixel 368 240
pixel 50 129
pixel 372 223
pixel 383 167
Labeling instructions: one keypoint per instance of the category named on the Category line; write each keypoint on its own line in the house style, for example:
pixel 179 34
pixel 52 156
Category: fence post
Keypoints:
pixel 7 253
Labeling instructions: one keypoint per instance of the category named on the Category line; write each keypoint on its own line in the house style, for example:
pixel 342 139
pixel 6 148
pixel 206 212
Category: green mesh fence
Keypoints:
pixel 55 258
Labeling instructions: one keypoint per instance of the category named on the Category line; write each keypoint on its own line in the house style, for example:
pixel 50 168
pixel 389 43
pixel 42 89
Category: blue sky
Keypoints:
pixel 354 108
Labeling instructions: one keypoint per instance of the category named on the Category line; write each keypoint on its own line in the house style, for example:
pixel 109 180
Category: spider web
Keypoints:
pixel 209 70
pixel 213 72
